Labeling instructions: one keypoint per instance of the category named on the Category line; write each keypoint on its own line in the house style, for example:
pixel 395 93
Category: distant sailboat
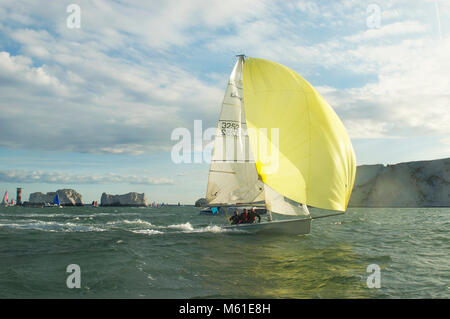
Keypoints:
pixel 56 199
pixel 5 199
pixel 55 202
pixel 315 163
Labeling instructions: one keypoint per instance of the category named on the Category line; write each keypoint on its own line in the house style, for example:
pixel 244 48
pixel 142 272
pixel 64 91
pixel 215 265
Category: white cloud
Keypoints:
pixel 389 30
pixel 19 176
pixel 19 69
pixel 123 81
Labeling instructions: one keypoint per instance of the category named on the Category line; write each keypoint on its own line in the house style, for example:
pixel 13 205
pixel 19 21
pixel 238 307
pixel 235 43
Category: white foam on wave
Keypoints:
pixel 147 231
pixel 131 222
pixel 186 226
pixel 209 229
pixel 138 221
pixel 212 229
pixel 54 227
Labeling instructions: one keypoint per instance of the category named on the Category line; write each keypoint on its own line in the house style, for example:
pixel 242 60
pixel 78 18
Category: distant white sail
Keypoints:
pixel 232 175
pixel 5 199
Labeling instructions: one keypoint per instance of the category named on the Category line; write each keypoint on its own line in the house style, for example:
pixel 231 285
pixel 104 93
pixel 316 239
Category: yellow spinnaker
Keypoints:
pixel 315 163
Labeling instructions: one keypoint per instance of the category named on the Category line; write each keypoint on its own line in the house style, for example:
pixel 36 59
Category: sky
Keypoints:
pixel 90 94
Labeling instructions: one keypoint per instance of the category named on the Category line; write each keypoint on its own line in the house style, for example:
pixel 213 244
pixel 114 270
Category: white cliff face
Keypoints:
pixel 41 198
pixel 412 184
pixel 67 197
pixel 130 199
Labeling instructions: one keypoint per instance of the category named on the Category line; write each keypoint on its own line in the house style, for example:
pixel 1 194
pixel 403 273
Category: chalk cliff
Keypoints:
pixel 411 184
pixel 130 199
pixel 67 197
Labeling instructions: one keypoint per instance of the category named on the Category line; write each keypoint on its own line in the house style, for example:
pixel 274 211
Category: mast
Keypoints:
pixel 233 177
pixel 234 180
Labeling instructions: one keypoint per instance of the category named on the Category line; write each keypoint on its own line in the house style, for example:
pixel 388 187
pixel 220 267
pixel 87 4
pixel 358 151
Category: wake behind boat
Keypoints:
pixel 278 142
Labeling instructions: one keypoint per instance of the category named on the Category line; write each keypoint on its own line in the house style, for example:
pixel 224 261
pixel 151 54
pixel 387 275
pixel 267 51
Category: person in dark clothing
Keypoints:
pixel 235 218
pixel 243 217
pixel 252 216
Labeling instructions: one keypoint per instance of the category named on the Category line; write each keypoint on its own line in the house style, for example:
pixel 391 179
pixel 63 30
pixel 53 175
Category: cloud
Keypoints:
pixel 411 96
pixel 134 72
pixel 105 88
pixel 20 176
pixel 395 29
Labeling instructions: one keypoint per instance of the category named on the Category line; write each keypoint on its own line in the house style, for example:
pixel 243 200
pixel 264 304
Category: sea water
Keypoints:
pixel 174 252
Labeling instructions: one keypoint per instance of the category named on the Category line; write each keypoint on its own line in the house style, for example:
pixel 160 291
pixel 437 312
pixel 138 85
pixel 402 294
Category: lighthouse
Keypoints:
pixel 19 196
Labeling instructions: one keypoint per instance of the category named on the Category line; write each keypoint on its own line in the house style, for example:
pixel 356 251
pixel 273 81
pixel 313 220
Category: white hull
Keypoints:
pixel 292 227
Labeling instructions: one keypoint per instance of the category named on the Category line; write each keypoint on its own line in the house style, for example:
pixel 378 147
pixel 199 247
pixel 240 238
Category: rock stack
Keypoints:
pixel 67 197
pixel 127 200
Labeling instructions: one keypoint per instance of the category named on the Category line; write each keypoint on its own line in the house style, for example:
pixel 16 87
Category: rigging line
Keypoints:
pixel 217 171
pixel 222 120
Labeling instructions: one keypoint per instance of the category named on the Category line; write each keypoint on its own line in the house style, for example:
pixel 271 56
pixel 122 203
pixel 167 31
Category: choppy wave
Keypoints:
pixel 187 256
pixel 137 226
pixel 53 227
pixel 130 222
pixel 209 229
pixel 186 226
pixel 182 228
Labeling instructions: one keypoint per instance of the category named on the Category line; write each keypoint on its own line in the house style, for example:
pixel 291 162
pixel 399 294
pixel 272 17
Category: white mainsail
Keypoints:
pixel 232 175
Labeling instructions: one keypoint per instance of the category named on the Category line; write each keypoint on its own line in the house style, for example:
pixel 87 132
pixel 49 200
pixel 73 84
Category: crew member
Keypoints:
pixel 252 216
pixel 235 218
pixel 244 217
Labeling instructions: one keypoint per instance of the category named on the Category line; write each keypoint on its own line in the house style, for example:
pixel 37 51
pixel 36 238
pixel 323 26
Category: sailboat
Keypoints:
pixel 5 199
pixel 280 143
pixel 55 202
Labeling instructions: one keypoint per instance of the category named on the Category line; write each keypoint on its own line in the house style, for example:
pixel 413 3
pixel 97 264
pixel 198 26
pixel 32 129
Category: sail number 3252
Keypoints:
pixel 229 128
